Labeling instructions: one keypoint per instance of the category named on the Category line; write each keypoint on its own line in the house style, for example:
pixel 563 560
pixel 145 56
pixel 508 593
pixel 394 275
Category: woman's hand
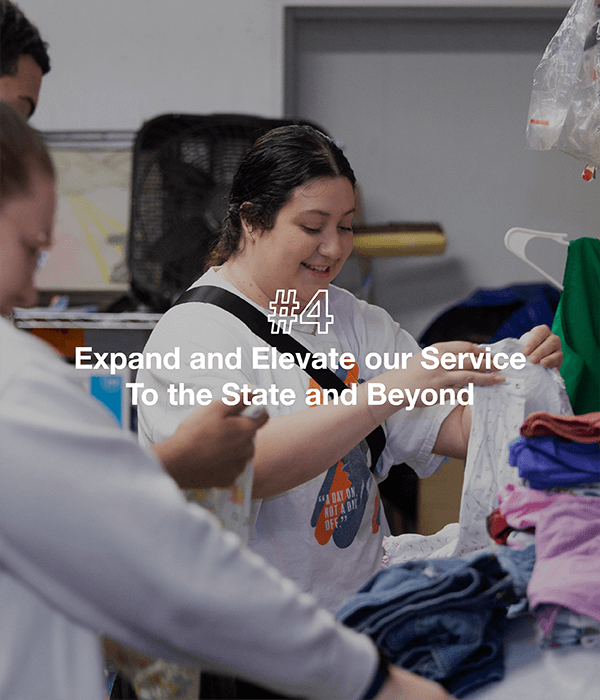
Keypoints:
pixel 211 446
pixel 403 685
pixel 459 363
pixel 543 346
pixel 470 364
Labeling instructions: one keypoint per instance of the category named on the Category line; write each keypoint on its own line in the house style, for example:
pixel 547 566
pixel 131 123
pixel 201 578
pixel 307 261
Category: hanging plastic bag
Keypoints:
pixel 564 112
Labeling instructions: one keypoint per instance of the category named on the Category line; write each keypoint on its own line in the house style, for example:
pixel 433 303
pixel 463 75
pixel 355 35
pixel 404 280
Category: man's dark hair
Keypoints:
pixel 17 37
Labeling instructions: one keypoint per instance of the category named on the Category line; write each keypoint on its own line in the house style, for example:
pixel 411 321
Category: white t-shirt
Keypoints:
pixel 95 537
pixel 327 533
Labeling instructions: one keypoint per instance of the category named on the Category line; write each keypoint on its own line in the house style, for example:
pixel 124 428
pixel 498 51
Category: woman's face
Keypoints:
pixel 26 222
pixel 308 245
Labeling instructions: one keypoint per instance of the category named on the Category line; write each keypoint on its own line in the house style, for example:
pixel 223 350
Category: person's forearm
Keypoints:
pixel 404 685
pixel 453 436
pixel 292 449
pixel 168 454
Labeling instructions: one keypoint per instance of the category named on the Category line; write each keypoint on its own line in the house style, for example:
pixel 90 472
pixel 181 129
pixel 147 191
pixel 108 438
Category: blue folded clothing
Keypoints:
pixel 441 618
pixel 549 461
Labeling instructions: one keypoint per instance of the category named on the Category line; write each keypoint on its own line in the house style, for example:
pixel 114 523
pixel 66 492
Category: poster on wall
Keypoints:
pixel 93 188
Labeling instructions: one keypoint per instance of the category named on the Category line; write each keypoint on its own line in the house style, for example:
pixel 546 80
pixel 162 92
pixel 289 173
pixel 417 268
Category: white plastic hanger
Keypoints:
pixel 516 240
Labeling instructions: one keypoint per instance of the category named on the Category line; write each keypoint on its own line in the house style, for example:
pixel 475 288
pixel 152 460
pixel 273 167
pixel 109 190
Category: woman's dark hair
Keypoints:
pixel 281 160
pixel 22 150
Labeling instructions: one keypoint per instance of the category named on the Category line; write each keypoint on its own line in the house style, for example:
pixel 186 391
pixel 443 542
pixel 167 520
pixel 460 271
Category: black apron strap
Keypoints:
pixel 259 324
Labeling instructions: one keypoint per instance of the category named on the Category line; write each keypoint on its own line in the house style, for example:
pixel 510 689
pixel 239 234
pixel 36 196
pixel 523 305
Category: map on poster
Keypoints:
pixel 93 188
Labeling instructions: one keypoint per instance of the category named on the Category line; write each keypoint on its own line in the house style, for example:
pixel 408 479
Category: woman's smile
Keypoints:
pixel 319 271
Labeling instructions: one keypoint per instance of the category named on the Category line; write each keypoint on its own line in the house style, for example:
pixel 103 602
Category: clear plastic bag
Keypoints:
pixel 233 505
pixel 564 112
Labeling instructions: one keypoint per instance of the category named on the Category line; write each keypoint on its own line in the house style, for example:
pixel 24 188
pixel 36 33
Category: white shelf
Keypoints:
pixel 44 318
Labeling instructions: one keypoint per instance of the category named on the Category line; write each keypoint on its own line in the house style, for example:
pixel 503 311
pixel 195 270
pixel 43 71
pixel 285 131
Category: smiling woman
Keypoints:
pixel 287 235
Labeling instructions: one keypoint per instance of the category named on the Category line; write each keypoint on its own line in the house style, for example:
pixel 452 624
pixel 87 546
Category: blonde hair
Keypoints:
pixel 22 150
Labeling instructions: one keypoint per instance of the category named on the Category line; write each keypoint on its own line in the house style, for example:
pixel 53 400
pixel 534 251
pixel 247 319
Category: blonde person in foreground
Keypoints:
pixel 95 537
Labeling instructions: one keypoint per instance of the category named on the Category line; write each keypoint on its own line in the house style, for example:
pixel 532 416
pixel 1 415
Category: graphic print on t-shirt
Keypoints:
pixel 344 494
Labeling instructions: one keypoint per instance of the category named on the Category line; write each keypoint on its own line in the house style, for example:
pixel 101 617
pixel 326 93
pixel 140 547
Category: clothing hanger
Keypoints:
pixel 516 240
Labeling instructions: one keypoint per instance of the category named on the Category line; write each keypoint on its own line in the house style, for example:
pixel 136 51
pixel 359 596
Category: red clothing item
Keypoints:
pixel 497 527
pixel 582 428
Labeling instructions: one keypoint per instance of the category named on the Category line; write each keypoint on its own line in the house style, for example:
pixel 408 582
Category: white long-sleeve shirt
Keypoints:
pixel 95 537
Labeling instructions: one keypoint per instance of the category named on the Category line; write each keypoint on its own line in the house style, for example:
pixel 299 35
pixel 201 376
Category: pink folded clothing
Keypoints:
pixel 567 543
pixel 582 428
pixel 567 566
pixel 521 506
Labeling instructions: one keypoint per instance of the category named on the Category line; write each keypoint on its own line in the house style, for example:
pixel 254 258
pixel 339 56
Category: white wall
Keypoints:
pixel 116 63
pixel 432 112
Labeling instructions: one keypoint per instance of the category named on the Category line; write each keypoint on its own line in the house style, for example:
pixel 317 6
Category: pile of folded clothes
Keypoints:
pixel 557 505
pixel 444 618
pixel 441 618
